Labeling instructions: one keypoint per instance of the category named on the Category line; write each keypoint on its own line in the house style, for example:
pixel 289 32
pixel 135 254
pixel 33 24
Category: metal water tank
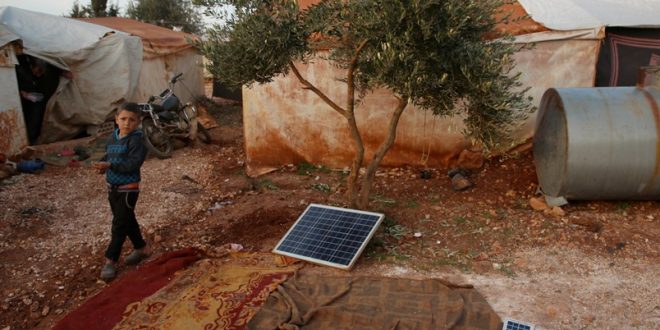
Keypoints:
pixel 599 143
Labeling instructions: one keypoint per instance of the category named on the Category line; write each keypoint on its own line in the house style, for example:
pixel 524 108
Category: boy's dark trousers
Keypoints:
pixel 124 223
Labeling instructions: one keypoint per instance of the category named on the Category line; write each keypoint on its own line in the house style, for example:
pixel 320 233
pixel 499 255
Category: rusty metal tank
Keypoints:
pixel 599 143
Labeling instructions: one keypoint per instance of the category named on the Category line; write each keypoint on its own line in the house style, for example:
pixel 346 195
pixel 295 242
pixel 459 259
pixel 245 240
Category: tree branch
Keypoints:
pixel 350 98
pixel 367 180
pixel 308 85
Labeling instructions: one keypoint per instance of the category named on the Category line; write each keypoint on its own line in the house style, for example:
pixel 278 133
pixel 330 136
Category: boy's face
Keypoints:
pixel 127 122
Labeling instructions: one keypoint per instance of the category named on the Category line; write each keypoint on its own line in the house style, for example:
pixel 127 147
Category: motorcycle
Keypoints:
pixel 165 118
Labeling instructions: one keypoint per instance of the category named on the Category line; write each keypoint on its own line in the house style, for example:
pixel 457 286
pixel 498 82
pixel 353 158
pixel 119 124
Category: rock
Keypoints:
pixel 59 311
pixel 460 183
pixel 538 203
pixel 496 248
pixel 27 301
pixel 591 225
pixel 482 256
pixel 157 238
pixel 45 311
pixel 557 211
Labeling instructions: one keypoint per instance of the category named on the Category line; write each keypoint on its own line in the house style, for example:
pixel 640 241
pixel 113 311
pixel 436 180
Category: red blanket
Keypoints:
pixel 105 309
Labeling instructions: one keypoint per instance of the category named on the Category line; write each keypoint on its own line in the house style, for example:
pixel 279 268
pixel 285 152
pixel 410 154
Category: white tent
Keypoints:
pixel 113 60
pixel 105 67
pixel 285 124
pixel 165 54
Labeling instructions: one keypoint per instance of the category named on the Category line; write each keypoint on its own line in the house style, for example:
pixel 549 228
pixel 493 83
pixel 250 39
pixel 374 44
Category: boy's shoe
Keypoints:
pixel 108 272
pixel 135 257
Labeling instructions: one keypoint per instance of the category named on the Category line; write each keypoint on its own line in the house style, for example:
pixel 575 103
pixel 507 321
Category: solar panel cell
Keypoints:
pixel 329 235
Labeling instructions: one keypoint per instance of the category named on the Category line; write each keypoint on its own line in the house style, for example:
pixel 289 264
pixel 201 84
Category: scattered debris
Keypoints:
pixel 591 225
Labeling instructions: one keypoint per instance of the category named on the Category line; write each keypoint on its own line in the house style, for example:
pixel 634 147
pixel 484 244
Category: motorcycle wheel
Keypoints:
pixel 156 141
pixel 203 134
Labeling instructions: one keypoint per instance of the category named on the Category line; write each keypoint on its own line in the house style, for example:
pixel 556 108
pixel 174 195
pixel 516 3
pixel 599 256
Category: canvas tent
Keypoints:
pixel 105 66
pixel 113 60
pixel 166 53
pixel 286 124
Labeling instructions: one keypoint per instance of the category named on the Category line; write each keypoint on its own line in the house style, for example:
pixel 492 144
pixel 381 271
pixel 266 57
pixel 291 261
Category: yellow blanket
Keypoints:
pixel 212 294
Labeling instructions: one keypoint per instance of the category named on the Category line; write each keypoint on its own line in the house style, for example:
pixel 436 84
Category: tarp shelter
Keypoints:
pixel 285 124
pixel 105 67
pixel 166 53
pixel 113 60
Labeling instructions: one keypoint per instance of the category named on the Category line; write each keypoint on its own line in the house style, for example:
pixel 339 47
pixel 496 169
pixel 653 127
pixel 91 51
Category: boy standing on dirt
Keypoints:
pixel 125 153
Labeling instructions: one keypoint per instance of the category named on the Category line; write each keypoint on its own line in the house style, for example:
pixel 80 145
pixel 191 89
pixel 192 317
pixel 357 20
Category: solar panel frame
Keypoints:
pixel 319 234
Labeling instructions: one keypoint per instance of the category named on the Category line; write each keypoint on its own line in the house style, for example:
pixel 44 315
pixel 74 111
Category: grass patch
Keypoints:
pixel 412 204
pixel 460 220
pixel 622 206
pixel 270 185
pixel 305 169
pixel 383 200
pixel 322 187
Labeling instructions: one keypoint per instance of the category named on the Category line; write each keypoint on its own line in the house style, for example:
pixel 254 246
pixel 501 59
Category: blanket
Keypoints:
pixel 105 309
pixel 213 294
pixel 316 302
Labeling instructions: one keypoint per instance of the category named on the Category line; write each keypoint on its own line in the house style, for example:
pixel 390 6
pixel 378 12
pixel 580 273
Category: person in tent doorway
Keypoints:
pixel 125 153
pixel 28 72
pixel 37 82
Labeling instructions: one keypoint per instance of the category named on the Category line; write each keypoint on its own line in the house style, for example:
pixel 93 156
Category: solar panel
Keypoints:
pixel 511 324
pixel 330 236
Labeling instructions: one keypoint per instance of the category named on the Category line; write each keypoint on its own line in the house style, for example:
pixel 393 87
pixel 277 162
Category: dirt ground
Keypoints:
pixel 593 267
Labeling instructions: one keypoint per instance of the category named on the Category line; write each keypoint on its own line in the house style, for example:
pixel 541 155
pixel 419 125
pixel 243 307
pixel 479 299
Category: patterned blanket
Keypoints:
pixel 212 294
pixel 105 309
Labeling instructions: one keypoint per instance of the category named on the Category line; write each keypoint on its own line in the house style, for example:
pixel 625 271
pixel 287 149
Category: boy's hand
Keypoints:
pixel 100 167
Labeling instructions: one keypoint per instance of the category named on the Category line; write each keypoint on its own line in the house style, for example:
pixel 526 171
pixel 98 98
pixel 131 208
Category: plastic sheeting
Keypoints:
pixel 105 67
pixel 589 14
pixel 166 53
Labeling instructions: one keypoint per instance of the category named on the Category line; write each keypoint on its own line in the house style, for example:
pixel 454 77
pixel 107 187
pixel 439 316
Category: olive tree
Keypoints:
pixel 430 54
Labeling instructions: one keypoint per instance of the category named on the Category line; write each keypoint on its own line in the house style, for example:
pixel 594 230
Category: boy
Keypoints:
pixel 125 153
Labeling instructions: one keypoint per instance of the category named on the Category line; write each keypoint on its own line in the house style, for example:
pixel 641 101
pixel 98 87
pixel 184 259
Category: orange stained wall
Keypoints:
pixel 286 124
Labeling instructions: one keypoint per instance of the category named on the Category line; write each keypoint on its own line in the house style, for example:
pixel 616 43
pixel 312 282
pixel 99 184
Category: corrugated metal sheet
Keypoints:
pixel 599 143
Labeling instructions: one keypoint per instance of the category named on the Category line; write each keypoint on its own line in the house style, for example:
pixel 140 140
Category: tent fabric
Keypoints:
pixel 156 40
pixel 113 60
pixel 587 14
pixel 105 66
pixel 11 117
pixel 53 39
pixel 166 53
pixel 105 76
pixel 624 51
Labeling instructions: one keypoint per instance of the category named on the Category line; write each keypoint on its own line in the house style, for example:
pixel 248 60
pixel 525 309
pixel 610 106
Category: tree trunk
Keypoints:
pixel 368 179
pixel 357 162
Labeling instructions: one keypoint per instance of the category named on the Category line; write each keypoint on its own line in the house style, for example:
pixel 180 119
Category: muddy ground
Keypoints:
pixel 593 267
